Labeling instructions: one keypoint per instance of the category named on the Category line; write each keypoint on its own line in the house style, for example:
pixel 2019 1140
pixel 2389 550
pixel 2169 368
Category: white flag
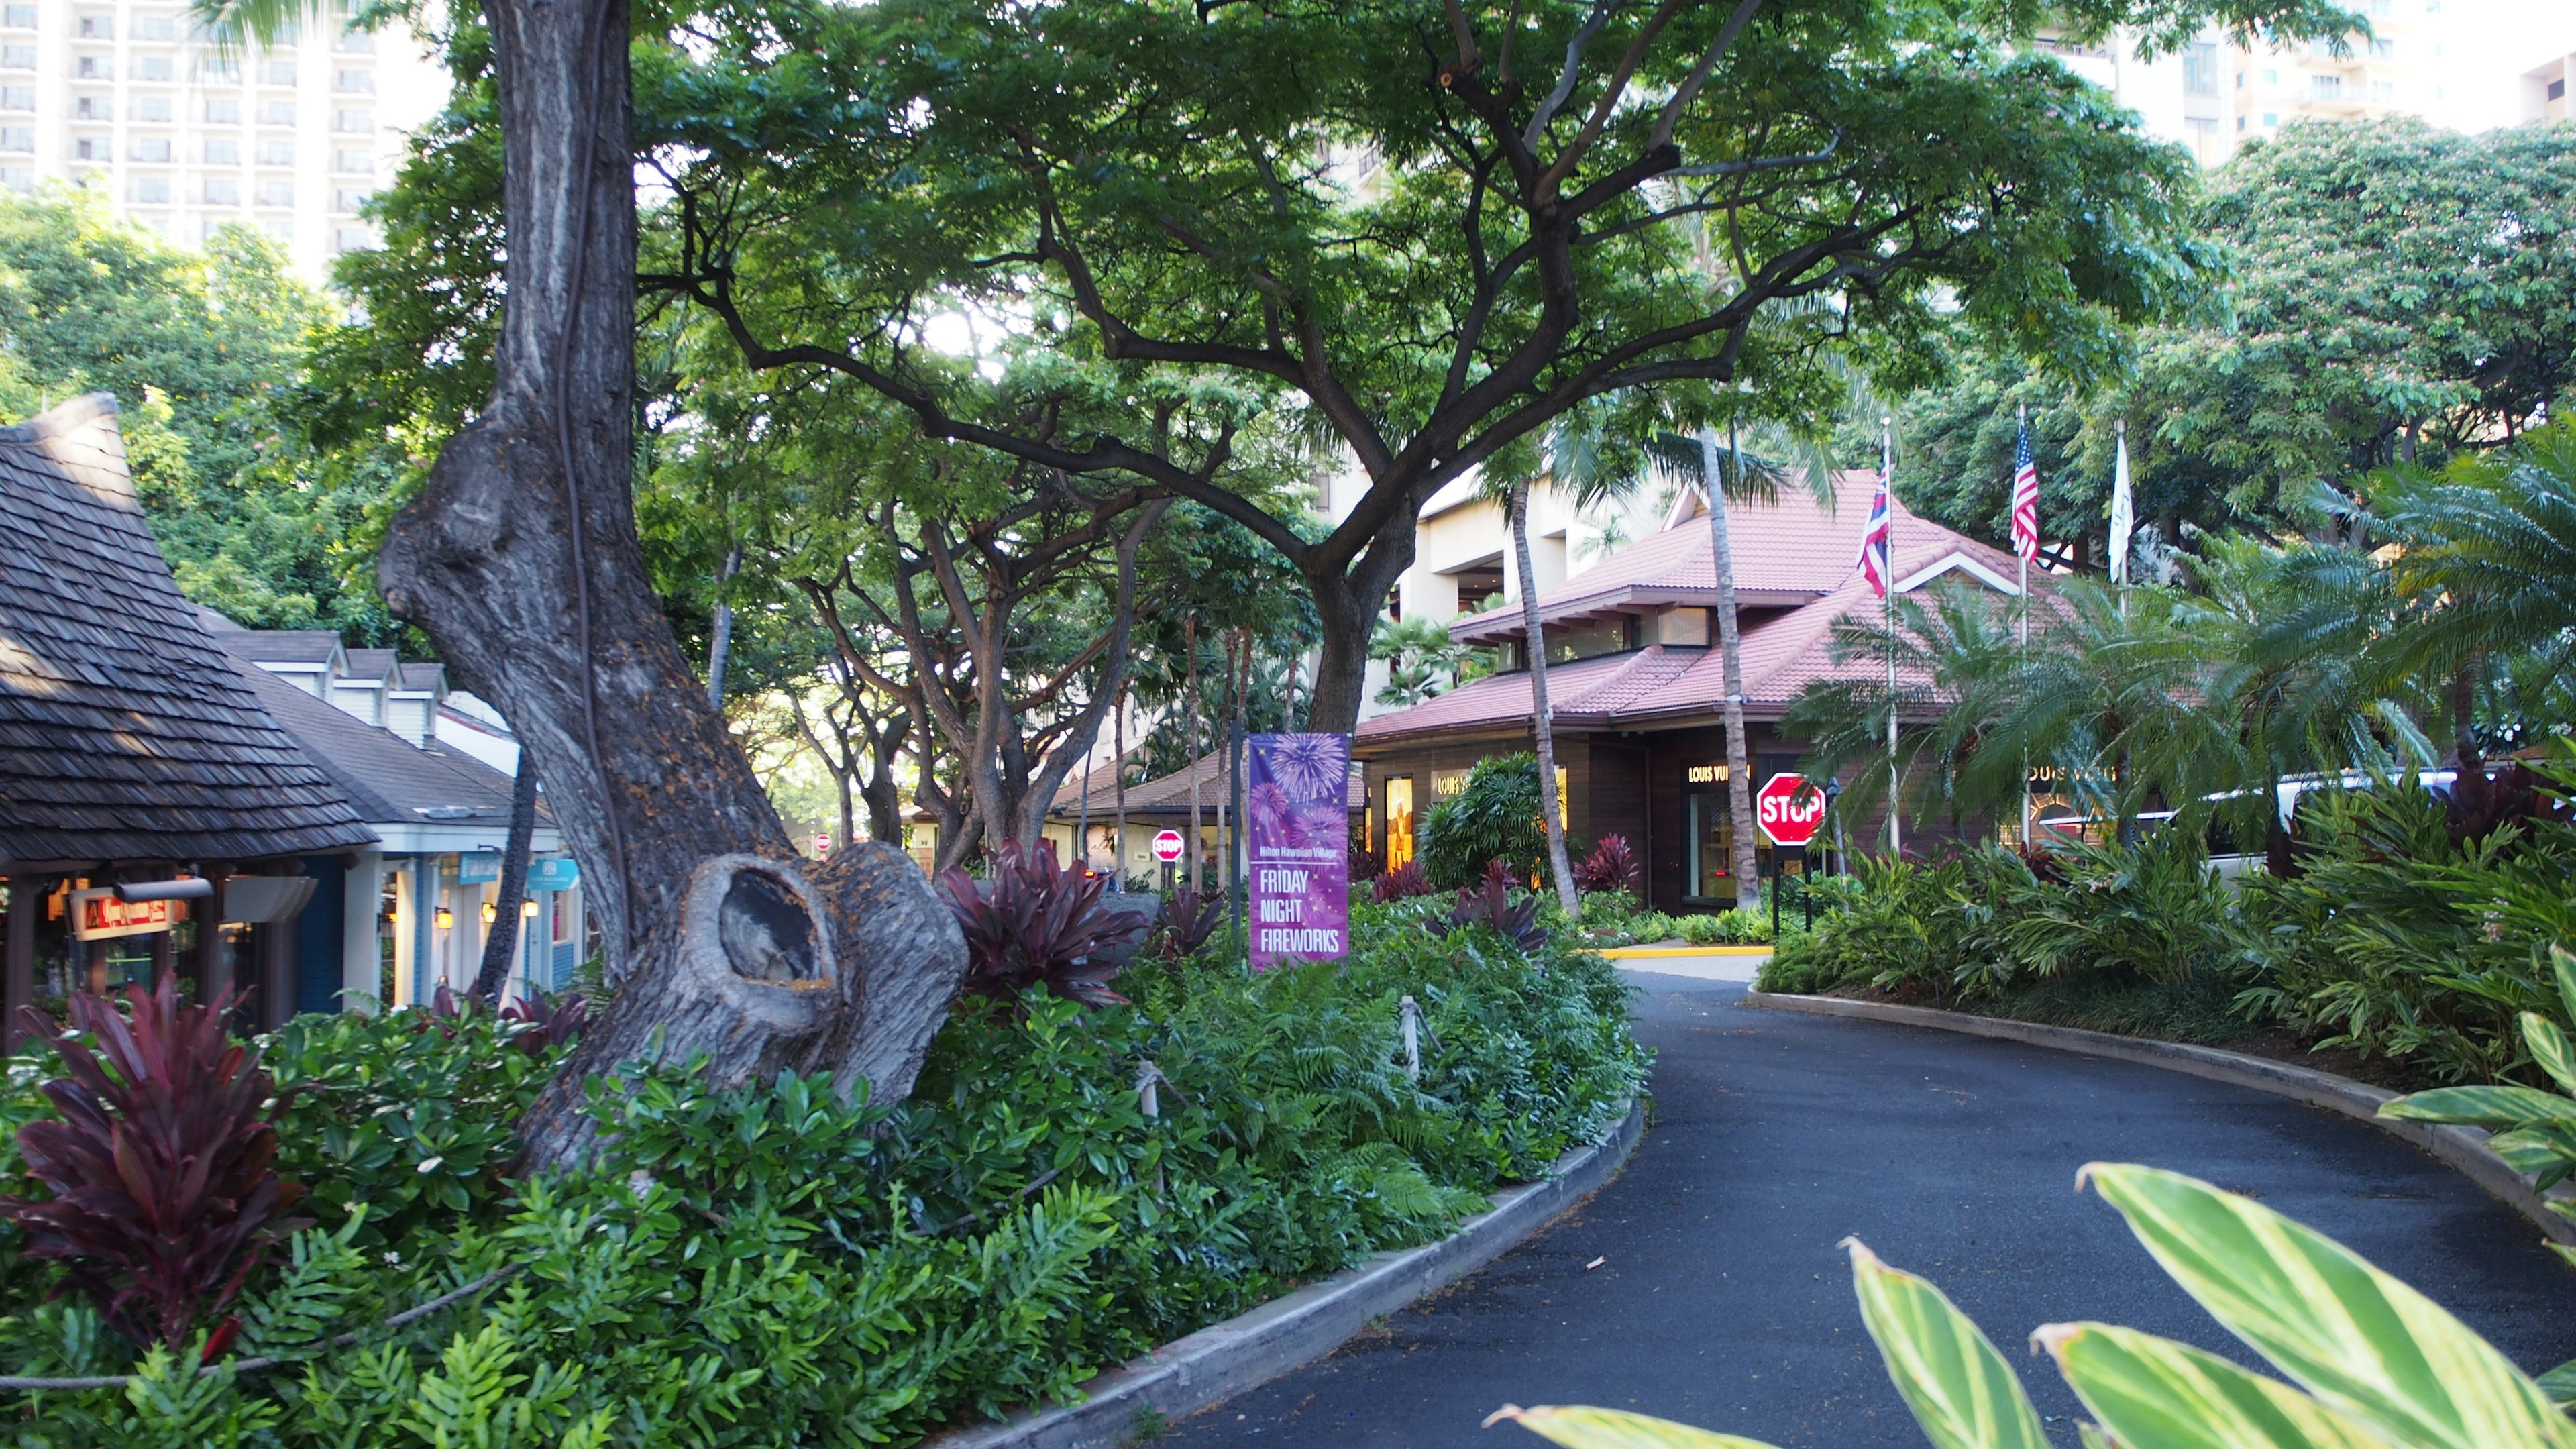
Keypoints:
pixel 2124 520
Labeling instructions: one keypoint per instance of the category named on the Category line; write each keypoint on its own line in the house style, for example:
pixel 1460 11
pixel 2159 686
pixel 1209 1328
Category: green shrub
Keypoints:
pixel 766 1265
pixel 1726 928
pixel 2401 941
pixel 1495 817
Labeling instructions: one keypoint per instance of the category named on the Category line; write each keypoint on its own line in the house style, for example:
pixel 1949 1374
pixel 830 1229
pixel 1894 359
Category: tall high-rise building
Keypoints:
pixel 126 98
pixel 2215 94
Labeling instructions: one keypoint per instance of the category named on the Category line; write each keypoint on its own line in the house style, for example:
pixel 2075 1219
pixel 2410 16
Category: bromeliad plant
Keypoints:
pixel 1036 923
pixel 2371 1363
pixel 164 1196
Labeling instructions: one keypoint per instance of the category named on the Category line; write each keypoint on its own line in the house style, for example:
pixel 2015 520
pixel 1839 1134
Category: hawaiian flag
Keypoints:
pixel 1874 561
pixel 2025 498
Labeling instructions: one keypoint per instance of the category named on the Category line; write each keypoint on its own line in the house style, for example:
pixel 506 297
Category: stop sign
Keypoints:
pixel 1784 816
pixel 1167 846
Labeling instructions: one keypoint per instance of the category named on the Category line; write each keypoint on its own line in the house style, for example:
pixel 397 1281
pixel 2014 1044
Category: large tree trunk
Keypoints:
pixel 1349 598
pixel 1730 651
pixel 520 560
pixel 1542 719
pixel 503 943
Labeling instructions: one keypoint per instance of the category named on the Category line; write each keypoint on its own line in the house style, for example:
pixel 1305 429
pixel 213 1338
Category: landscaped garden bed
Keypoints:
pixel 1066 1188
pixel 2400 951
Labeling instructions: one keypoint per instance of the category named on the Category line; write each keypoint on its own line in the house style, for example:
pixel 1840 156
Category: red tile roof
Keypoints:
pixel 1787 552
pixel 1790 552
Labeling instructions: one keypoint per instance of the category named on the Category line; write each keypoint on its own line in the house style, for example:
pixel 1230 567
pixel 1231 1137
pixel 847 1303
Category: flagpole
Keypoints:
pixel 1887 470
pixel 2024 558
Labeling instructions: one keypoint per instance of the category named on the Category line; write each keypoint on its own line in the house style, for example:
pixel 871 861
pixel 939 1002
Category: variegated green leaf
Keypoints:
pixel 1578 1427
pixel 1960 1389
pixel 2482 1106
pixel 2154 1393
pixel 2562 964
pixel 2549 1048
pixel 2362 1342
pixel 2560 1383
pixel 2543 1151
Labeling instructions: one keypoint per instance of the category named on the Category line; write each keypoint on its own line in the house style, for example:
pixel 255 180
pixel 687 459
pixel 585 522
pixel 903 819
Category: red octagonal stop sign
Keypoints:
pixel 1788 817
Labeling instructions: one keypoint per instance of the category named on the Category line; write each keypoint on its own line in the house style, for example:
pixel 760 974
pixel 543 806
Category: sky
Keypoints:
pixel 2486 46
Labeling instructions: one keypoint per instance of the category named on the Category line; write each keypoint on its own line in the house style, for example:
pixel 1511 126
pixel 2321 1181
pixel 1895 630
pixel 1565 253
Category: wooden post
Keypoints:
pixel 98 967
pixel 277 941
pixel 18 991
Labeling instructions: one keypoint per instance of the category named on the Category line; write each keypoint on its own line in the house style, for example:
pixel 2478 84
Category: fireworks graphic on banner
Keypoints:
pixel 1311 767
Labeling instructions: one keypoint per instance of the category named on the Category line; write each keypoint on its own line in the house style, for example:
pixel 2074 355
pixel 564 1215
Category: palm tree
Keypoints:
pixel 1586 462
pixel 1741 477
pixel 2487 565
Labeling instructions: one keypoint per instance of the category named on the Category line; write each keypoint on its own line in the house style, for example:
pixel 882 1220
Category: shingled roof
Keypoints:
pixel 125 734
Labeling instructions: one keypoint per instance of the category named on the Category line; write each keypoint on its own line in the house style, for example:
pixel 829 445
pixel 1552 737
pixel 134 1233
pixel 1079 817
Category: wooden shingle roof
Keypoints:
pixel 125 734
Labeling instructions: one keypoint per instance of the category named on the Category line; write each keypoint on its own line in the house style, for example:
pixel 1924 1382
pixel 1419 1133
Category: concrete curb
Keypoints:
pixel 1224 1359
pixel 2464 1148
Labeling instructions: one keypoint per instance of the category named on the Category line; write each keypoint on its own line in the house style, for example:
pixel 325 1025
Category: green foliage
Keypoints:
pixel 407 1114
pixel 2373 1361
pixel 2398 940
pixel 765 1265
pixel 2535 1130
pixel 1494 817
pixel 202 350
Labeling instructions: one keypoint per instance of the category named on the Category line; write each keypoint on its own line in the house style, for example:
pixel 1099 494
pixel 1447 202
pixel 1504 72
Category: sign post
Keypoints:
pixel 1298 813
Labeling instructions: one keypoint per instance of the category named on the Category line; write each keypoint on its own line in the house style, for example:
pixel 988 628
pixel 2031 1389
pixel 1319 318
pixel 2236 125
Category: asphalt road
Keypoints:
pixel 1720 1299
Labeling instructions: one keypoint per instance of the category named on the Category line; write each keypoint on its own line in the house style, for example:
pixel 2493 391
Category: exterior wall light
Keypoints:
pixel 491 913
pixel 528 910
pixel 445 918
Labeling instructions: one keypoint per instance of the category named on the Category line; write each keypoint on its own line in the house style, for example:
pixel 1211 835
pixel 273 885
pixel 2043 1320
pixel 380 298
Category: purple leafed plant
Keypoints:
pixel 1402 883
pixel 164 1198
pixel 1611 866
pixel 1036 923
pixel 1187 918
pixel 1489 903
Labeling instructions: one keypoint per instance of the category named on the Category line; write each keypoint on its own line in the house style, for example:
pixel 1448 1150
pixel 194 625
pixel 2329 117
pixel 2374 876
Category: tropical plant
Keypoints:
pixel 160 1165
pixel 1422 661
pixel 1724 928
pixel 2370 1361
pixel 1034 923
pixel 1402 883
pixel 2488 569
pixel 1611 866
pixel 1184 921
pixel 2535 1130
pixel 1494 816
pixel 1489 904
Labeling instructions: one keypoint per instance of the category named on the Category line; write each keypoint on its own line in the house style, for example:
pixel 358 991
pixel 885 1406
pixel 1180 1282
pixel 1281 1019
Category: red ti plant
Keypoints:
pixel 164 1198
pixel 1489 903
pixel 1611 866
pixel 1402 883
pixel 1184 922
pixel 1036 923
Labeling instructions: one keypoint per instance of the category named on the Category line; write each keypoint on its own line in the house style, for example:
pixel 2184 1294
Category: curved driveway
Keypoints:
pixel 1721 1301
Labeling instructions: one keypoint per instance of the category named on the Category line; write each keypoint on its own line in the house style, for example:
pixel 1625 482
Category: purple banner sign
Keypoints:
pixel 1297 802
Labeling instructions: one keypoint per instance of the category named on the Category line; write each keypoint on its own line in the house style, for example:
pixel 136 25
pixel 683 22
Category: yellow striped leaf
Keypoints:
pixel 2562 964
pixel 2482 1106
pixel 2362 1342
pixel 1960 1389
pixel 1578 1427
pixel 2549 1048
pixel 2154 1393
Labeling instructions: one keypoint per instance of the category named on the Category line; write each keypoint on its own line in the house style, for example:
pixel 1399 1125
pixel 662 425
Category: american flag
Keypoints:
pixel 1874 540
pixel 2025 498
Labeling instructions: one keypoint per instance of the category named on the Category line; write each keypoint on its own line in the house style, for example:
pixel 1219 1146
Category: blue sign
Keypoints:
pixel 560 874
pixel 478 867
